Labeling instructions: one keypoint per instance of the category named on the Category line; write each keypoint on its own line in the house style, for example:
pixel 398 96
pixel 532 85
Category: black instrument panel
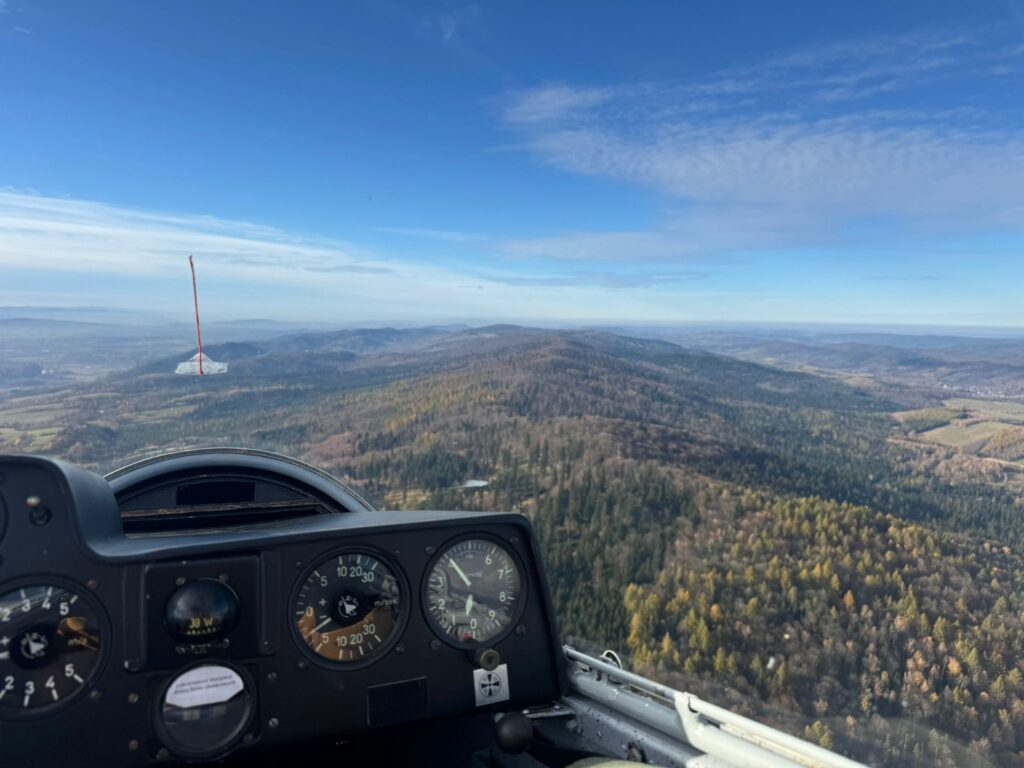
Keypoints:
pixel 209 642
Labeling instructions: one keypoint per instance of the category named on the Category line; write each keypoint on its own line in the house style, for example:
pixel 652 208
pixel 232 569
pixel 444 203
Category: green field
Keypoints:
pixel 996 410
pixel 968 434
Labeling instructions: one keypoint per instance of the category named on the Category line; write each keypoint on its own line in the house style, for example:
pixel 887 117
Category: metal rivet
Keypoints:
pixel 399 648
pixel 133 698
pixel 39 515
pixel 92 583
pixel 222 577
pixel 435 645
pixel 272 677
pixel 95 696
pixel 429 550
pixel 303 664
pixel 162 753
pixel 521 630
pixel 273 722
pixel 298 563
pixel 133 745
pixel 513 540
pixel 180 581
pixel 180 650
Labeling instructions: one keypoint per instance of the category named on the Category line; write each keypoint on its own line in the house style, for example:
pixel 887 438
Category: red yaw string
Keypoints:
pixel 195 300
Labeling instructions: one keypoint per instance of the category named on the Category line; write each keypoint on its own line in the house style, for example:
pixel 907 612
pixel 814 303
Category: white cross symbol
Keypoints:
pixel 322 602
pixel 5 641
pixel 490 684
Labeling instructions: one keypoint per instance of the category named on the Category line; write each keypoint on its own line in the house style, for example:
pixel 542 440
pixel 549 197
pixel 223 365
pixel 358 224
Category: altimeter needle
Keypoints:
pixel 459 571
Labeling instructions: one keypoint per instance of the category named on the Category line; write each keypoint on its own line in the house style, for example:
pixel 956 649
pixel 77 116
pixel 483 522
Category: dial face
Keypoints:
pixel 473 592
pixel 49 646
pixel 349 608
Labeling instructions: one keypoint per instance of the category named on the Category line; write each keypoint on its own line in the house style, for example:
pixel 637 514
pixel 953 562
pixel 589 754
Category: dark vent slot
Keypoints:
pixel 216 492
pixel 225 515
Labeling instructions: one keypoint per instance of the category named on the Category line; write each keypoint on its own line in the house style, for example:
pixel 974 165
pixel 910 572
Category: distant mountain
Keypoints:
pixel 975 367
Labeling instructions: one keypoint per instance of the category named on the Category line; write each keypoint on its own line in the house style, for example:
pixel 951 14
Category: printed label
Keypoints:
pixel 209 684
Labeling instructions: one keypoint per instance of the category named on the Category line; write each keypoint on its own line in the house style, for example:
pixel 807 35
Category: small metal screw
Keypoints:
pixel 267 647
pixel 272 677
pixel 435 645
pixel 248 738
pixel 133 698
pixel 162 753
pixel 513 540
pixel 95 696
pixel 180 650
pixel 38 515
pixel 133 745
pixel 298 563
pixel 92 583
pixel 429 550
pixel 133 665
pixel 273 722
pixel 521 630
pixel 399 648
pixel 180 581
pixel 222 577
pixel 303 664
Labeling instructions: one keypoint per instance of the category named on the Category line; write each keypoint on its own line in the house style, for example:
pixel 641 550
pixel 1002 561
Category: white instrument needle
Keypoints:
pixel 458 570
pixel 469 605
pixel 318 626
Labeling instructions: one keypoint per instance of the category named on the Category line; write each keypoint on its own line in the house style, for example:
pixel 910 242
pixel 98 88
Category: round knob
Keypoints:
pixel 201 610
pixel 514 733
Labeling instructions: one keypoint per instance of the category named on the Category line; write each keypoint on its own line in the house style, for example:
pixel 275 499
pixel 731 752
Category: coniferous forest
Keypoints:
pixel 773 541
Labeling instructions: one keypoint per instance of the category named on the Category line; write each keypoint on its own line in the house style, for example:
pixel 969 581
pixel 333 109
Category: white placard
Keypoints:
pixel 491 687
pixel 209 684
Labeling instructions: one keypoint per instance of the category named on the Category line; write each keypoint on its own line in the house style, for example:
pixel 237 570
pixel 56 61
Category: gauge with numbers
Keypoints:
pixel 474 592
pixel 50 642
pixel 348 609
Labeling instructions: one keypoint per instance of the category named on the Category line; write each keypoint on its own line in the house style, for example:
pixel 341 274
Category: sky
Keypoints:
pixel 370 162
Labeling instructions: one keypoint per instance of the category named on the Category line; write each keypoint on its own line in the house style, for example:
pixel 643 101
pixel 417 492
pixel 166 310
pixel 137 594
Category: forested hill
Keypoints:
pixel 727 523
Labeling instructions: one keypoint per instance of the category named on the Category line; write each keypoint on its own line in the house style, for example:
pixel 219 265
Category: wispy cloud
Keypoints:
pixel 616 280
pixel 788 150
pixel 448 24
pixel 440 235
pixel 132 254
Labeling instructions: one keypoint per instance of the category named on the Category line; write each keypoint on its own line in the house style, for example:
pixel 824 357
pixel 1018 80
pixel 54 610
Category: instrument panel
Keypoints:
pixel 193 644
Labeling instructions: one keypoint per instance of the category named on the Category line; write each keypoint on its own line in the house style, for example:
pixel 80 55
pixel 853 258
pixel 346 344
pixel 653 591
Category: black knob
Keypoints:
pixel 514 732
pixel 201 610
pixel 486 658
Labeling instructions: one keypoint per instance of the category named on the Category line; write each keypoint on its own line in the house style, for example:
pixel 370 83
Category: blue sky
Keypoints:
pixel 368 162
